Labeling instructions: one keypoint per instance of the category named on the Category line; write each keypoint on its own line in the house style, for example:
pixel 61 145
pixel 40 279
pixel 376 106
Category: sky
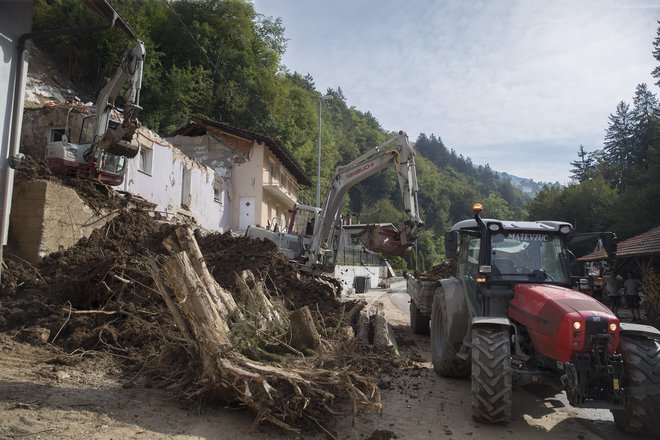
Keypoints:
pixel 516 84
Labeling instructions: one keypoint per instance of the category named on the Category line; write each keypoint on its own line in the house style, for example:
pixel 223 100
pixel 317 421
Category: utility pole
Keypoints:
pixel 318 158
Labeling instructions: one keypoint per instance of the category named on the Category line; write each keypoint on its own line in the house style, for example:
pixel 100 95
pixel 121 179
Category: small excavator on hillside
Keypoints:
pixel 105 141
pixel 312 234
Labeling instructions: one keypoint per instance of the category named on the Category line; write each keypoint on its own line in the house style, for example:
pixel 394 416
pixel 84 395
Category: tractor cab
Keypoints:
pixel 495 255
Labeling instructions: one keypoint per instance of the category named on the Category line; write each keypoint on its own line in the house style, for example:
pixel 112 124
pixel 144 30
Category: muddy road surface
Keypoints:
pixel 44 395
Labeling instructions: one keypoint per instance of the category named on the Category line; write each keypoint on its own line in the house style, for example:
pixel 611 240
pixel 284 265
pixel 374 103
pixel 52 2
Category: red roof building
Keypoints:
pixel 646 244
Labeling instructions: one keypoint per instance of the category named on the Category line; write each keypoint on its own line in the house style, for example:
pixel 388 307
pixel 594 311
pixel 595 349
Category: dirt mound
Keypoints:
pixel 445 269
pixel 226 255
pixel 96 195
pixel 99 294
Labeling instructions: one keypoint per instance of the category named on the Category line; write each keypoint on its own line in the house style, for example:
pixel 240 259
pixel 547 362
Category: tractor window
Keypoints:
pixel 468 259
pixel 527 256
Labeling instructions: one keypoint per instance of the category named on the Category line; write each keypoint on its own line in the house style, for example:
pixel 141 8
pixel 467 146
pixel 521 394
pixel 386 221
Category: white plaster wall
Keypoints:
pixel 246 181
pixel 164 185
pixel 346 275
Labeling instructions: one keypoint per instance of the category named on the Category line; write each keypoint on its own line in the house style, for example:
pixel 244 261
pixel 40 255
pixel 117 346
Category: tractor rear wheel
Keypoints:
pixel 491 374
pixel 446 340
pixel 419 322
pixel 641 359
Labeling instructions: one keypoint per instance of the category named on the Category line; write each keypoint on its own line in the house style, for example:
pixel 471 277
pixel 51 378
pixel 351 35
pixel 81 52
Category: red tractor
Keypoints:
pixel 510 318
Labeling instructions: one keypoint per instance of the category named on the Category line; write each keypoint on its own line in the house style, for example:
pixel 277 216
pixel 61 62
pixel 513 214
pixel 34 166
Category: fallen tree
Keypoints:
pixel 288 394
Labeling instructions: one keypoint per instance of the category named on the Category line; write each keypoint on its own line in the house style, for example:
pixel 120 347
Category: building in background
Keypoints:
pixel 265 180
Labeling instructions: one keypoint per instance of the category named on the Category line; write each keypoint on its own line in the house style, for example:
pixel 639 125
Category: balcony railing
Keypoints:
pixel 285 187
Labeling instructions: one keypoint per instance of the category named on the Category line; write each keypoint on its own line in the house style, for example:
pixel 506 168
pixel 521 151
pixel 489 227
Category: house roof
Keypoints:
pixel 197 127
pixel 645 244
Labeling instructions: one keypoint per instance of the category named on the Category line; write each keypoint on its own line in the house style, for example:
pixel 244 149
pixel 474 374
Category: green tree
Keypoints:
pixel 496 207
pixel 619 144
pixel 583 167
pixel 645 113
pixel 656 55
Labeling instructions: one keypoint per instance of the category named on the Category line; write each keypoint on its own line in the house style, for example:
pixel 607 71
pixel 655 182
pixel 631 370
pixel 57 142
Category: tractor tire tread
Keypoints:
pixel 491 375
pixel 641 358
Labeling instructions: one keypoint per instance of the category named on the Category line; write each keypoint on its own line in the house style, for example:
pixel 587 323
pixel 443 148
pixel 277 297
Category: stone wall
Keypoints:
pixel 48 217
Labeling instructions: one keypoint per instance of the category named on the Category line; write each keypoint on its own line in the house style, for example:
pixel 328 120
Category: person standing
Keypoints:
pixel 631 287
pixel 612 291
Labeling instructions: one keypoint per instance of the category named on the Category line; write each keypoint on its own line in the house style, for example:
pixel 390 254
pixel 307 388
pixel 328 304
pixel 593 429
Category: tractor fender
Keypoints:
pixel 450 326
pixel 639 330
pixel 490 321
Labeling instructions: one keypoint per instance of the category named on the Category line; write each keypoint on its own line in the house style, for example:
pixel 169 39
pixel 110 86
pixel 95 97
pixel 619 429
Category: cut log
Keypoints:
pixel 364 330
pixel 166 294
pixel 183 239
pixel 383 335
pixel 303 333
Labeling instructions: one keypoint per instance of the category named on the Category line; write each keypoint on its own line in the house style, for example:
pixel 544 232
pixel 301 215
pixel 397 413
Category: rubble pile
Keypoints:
pixel 96 195
pixel 101 295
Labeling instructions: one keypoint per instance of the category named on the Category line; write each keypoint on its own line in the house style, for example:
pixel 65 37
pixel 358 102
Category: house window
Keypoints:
pixel 145 160
pixel 186 183
pixel 55 134
pixel 217 190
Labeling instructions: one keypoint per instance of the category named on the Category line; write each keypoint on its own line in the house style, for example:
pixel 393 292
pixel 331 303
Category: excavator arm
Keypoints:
pixel 395 151
pixel 117 140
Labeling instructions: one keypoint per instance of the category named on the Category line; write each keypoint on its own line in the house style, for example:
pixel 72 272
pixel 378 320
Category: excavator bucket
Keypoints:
pixel 123 148
pixel 384 239
pixel 118 141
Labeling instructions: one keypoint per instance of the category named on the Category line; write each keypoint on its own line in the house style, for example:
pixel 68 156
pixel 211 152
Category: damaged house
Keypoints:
pixel 220 177
pixel 264 176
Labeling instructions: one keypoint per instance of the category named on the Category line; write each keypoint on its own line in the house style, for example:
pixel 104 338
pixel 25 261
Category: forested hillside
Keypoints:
pixel 221 59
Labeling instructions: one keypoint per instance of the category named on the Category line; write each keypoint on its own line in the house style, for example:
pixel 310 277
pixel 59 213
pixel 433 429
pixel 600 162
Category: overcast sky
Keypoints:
pixel 517 84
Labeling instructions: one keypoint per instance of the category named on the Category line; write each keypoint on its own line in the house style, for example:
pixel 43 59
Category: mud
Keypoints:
pixel 443 270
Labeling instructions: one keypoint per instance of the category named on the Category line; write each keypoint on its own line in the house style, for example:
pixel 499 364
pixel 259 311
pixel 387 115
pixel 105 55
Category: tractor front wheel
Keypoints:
pixel 641 360
pixel 491 374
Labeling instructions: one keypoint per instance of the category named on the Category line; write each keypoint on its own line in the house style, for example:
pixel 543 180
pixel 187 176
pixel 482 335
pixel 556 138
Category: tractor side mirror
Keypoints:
pixel 451 244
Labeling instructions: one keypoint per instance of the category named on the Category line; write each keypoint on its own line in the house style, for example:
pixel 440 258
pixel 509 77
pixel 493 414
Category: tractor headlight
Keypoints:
pixel 565 229
pixel 494 227
pixel 577 325
pixel 612 326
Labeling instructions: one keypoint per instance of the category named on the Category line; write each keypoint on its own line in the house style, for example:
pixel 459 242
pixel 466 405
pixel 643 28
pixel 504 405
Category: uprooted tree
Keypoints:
pixel 288 394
